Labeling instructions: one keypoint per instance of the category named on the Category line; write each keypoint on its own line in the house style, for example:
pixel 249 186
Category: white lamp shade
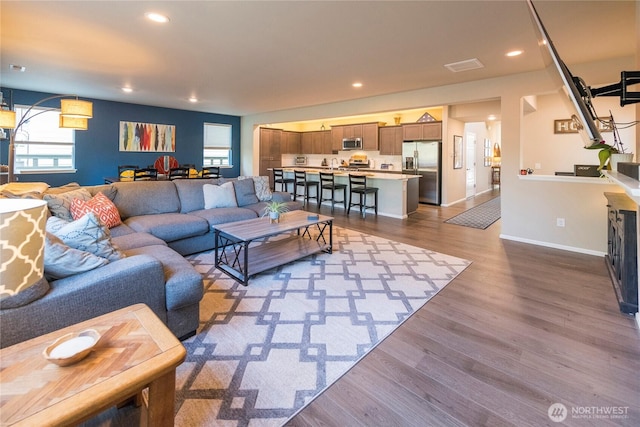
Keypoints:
pixel 76 108
pixel 78 123
pixel 7 119
pixel 22 234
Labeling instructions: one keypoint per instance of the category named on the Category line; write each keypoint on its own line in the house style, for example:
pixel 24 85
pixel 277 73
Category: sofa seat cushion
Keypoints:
pixel 183 284
pixel 146 198
pixel 137 240
pixel 169 226
pixel 222 215
pixel 121 230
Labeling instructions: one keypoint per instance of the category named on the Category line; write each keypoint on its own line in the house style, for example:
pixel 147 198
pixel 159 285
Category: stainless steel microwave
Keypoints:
pixel 352 144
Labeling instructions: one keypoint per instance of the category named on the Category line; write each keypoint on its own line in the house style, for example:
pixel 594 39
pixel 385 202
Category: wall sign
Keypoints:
pixel 571 126
pixel 147 137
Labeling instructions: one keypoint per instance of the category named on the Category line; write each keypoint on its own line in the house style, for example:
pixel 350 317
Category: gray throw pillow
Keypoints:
pixel 61 261
pixel 245 192
pixel 261 185
pixel 60 204
pixel 87 234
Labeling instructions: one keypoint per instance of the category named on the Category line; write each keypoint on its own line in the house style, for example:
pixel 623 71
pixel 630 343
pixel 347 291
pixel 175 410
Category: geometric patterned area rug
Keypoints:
pixel 481 216
pixel 266 350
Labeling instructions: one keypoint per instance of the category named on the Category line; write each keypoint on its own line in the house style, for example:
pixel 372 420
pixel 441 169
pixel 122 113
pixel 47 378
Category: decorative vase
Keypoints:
pixel 274 217
pixel 619 157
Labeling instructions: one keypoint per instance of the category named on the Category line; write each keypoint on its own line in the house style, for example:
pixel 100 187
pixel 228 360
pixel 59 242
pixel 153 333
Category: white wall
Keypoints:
pixel 559 152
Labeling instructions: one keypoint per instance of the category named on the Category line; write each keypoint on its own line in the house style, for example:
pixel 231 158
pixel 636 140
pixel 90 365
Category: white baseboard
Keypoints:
pixel 553 245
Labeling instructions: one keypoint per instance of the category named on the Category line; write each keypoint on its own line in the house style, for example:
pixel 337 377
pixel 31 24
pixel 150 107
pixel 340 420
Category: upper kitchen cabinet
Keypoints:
pixel 367 131
pixel 316 142
pixel 391 138
pixel 291 142
pixel 422 131
pixel 370 136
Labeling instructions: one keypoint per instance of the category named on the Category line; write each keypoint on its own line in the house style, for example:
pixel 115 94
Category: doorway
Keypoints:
pixel 470 162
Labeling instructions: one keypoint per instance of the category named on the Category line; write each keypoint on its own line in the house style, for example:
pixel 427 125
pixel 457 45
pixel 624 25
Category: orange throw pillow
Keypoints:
pixel 100 205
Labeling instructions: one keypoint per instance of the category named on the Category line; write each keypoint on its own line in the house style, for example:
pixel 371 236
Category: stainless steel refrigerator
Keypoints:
pixel 424 158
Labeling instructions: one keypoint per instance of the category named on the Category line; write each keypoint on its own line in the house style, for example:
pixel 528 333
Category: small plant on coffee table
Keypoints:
pixel 274 210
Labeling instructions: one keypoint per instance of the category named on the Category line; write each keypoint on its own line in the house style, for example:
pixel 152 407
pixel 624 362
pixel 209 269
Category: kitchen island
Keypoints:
pixel 397 192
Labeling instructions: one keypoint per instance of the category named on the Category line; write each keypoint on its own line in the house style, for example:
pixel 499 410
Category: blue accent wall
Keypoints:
pixel 97 151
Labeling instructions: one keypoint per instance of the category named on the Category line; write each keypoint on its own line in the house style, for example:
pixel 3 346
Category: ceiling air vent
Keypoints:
pixel 469 64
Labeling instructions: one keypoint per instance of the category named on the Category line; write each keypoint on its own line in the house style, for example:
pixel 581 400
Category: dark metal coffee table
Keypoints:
pixel 235 257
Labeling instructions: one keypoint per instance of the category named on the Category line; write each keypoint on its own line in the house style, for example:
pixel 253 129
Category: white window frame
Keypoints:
pixel 46 121
pixel 217 136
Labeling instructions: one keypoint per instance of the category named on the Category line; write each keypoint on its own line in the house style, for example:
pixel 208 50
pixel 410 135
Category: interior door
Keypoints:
pixel 470 162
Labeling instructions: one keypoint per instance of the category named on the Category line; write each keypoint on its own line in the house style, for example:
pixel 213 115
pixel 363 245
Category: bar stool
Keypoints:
pixel 358 185
pixel 278 178
pixel 300 178
pixel 327 182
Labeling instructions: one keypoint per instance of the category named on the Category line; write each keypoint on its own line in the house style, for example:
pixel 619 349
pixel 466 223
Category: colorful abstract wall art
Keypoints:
pixel 147 137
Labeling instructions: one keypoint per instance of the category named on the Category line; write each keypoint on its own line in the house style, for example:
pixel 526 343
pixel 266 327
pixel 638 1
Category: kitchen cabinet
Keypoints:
pixel 367 131
pixel 390 139
pixel 270 150
pixel 336 138
pixel 370 137
pixel 291 142
pixel 316 142
pixel 422 131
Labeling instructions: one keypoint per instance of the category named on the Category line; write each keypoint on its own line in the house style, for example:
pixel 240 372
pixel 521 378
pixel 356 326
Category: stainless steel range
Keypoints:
pixel 358 161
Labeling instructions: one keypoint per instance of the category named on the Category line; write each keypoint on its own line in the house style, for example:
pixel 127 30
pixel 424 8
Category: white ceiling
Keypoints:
pixel 247 57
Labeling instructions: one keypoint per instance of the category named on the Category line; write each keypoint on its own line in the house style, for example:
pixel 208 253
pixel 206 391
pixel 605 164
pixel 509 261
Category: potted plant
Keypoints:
pixel 274 210
pixel 610 155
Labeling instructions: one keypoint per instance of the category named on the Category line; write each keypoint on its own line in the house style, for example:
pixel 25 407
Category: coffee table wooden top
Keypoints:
pixel 135 348
pixel 251 229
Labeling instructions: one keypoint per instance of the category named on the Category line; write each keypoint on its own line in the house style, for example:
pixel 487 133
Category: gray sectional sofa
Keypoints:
pixel 161 222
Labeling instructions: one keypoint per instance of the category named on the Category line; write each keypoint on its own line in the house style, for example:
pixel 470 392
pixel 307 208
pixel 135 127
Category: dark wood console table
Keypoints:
pixel 622 252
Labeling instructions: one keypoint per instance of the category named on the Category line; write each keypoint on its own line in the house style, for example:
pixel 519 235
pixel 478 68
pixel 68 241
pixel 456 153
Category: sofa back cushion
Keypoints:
pixel 245 192
pixel 191 194
pixel 146 198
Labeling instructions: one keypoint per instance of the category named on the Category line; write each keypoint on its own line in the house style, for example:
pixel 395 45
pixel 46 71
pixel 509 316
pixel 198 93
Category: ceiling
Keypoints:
pixel 248 57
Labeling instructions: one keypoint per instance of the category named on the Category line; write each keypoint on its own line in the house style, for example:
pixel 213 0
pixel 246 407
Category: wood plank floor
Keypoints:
pixel 520 329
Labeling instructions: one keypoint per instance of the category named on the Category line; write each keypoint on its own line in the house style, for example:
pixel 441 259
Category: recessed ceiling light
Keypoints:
pixel 514 53
pixel 357 84
pixel 193 99
pixel 127 89
pixel 19 68
pixel 157 17
pixel 491 117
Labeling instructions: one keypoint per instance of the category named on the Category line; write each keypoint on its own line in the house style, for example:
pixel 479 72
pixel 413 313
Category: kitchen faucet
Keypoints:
pixel 332 162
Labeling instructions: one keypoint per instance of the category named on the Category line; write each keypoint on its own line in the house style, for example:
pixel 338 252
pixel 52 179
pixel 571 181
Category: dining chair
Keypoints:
pixel 126 172
pixel 179 173
pixel 210 172
pixel 146 174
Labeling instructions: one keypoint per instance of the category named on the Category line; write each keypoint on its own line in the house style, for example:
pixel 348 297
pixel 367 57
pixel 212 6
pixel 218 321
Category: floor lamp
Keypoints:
pixel 74 114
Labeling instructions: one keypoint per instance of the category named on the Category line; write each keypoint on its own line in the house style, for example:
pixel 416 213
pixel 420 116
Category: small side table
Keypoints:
pixel 136 351
pixel 495 175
